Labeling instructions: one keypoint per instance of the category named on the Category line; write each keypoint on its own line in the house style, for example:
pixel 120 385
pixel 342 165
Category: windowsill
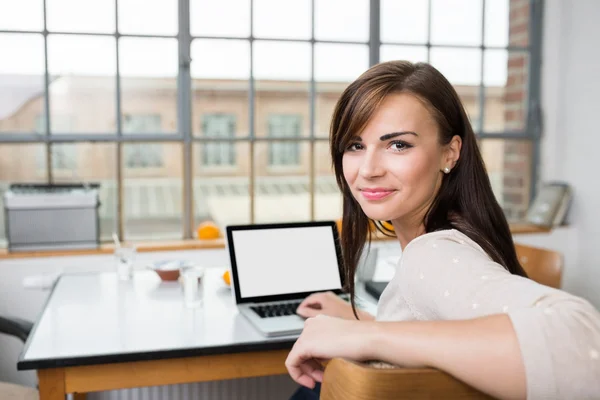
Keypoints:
pixel 195 244
pixel 217 170
pixel 285 169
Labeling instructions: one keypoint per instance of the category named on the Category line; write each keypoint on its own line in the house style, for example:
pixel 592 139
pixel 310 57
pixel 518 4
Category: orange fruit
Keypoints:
pixel 227 278
pixel 208 230
pixel 339 225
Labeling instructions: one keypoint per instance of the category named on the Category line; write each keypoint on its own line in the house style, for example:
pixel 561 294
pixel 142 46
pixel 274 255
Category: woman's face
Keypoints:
pixel 394 166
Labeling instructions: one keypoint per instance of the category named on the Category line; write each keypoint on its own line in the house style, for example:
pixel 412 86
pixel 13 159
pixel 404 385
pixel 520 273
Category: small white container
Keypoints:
pixel 125 259
pixel 192 281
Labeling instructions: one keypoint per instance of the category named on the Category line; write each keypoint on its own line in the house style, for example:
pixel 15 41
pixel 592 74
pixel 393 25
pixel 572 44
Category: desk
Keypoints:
pixel 97 333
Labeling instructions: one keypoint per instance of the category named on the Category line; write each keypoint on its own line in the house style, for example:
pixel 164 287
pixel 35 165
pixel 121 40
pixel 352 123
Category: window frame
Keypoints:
pixel 184 133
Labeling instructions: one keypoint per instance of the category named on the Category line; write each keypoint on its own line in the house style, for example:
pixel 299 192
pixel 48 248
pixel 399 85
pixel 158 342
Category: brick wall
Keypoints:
pixel 517 154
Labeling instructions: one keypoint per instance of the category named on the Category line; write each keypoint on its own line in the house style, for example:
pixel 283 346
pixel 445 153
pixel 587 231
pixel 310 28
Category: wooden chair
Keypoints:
pixel 543 266
pixel 348 380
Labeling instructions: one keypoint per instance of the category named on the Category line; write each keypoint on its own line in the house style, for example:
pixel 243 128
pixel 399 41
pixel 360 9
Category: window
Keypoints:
pixel 142 155
pixel 64 155
pixel 258 95
pixel 284 153
pixel 218 154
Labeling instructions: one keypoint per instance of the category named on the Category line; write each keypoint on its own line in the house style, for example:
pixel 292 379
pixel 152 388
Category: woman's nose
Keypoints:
pixel 371 166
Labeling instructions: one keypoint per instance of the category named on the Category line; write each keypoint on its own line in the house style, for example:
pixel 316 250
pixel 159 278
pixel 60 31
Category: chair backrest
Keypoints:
pixel 543 266
pixel 348 380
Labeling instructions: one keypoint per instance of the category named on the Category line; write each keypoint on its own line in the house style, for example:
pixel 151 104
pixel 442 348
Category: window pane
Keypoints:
pixel 496 22
pixel 507 80
pixel 64 159
pixel 220 71
pixel 218 154
pixel 336 65
pixel 19 163
pixel 148 85
pixel 456 22
pixel 509 166
pixel 281 192
pixel 22 15
pixel 404 21
pixel 290 19
pixel 220 18
pixel 82 89
pixel 506 23
pixel 22 81
pixel 462 67
pixel 221 191
pixel 281 60
pixel 82 16
pixel 343 20
pixel 93 163
pixel 327 97
pixel 413 54
pixel 150 17
pixel 340 62
pixel 153 190
pixel 220 59
pixel 284 153
pixel 328 198
pixel 282 110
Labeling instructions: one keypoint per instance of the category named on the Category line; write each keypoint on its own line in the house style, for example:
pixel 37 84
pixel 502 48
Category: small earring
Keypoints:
pixel 446 170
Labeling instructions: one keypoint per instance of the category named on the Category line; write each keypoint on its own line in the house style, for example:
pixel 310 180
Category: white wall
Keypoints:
pixel 571 142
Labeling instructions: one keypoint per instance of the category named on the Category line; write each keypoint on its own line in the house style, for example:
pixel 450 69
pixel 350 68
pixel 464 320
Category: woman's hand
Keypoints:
pixel 328 303
pixel 324 338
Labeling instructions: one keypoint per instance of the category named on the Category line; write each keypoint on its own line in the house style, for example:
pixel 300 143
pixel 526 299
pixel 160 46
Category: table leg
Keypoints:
pixel 79 396
pixel 52 384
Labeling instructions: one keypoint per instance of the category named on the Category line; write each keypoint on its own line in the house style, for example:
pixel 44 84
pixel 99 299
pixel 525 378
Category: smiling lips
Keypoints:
pixel 376 193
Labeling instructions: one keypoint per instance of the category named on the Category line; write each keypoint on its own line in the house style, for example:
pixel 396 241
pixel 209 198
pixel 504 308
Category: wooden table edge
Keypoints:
pixel 56 382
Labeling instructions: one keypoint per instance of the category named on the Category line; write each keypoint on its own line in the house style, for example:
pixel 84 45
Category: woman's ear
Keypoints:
pixel 452 152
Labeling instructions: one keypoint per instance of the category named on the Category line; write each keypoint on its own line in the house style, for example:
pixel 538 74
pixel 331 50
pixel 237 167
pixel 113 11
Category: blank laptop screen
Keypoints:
pixel 285 260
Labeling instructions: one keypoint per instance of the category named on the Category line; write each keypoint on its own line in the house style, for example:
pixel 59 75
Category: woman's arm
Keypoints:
pixel 482 352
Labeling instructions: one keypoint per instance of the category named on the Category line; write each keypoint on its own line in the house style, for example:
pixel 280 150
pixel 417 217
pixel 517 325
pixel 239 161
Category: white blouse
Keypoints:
pixel 445 275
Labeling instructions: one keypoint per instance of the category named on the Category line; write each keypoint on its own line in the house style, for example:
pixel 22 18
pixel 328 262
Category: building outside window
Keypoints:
pixel 64 155
pixel 273 71
pixel 218 154
pixel 142 155
pixel 284 153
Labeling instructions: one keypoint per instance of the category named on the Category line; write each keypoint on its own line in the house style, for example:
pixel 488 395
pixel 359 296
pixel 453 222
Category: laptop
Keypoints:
pixel 275 266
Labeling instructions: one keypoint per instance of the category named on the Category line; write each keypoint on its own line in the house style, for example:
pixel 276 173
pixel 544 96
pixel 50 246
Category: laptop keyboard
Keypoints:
pixel 276 310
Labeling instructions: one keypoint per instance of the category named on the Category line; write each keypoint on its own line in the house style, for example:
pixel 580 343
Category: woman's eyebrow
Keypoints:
pixel 392 135
pixel 387 136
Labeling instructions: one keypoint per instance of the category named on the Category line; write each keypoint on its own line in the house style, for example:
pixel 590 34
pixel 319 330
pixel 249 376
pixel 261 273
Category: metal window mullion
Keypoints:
pixel 251 121
pixel 429 5
pixel 16 137
pixel 312 117
pixel 48 145
pixel 482 73
pixel 120 220
pixel 184 115
pixel 374 31
pixel 534 123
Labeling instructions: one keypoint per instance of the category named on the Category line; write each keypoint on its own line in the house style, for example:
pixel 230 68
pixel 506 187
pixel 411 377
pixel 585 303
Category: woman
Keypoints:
pixel 404 151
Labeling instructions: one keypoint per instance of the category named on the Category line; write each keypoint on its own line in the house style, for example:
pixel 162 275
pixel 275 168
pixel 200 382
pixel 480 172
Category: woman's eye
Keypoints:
pixel 399 146
pixel 354 147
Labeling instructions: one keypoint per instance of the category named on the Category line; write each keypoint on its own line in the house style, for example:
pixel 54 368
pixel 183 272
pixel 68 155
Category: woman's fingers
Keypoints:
pixel 306 373
pixel 311 306
pixel 308 312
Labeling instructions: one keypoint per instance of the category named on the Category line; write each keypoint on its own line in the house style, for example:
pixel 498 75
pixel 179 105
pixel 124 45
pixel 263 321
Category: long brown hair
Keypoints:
pixel 465 200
